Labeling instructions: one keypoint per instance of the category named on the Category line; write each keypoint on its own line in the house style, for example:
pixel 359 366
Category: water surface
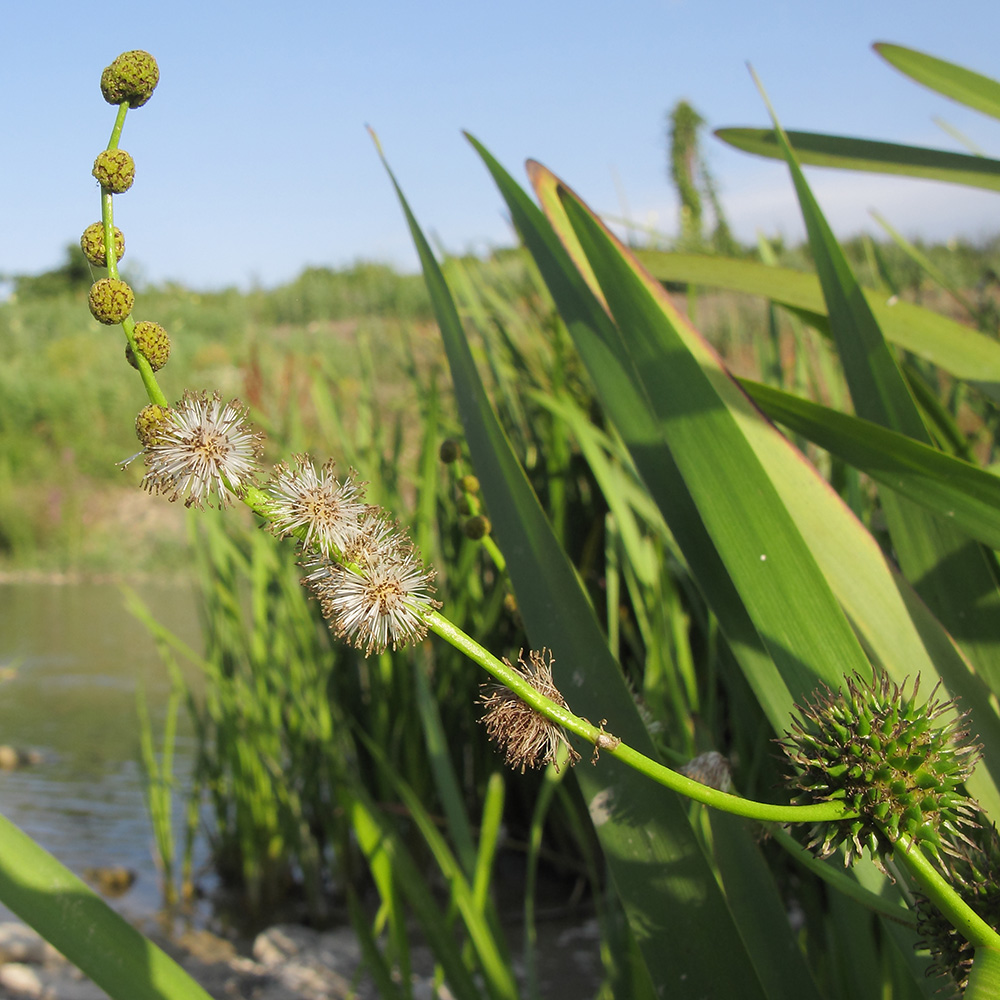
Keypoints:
pixel 73 659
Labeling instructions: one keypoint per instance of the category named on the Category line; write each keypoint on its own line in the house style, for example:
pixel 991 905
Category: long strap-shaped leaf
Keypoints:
pixel 667 888
pixel 951 488
pixel 960 84
pixel 903 635
pixel 949 571
pixel 786 594
pixel 847 153
pixel 623 397
pixel 960 350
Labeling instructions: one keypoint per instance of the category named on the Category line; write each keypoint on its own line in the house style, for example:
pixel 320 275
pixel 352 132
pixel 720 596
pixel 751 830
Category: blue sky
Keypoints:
pixel 252 159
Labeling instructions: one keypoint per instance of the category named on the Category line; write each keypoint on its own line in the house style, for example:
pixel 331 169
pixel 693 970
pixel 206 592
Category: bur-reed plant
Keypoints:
pixel 801 597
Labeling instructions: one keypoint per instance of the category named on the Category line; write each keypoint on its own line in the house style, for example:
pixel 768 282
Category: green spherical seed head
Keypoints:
pixel 148 423
pixel 132 77
pixel 477 527
pixel 111 300
pixel 115 169
pixel 450 451
pixel 468 484
pixel 92 244
pixel 153 343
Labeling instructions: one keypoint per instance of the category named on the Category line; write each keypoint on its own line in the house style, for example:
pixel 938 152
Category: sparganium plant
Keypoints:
pixel 874 769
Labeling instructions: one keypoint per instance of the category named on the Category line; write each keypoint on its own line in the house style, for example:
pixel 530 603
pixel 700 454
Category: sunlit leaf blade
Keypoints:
pixel 754 897
pixel 957 349
pixel 784 591
pixel 960 84
pixel 660 871
pixel 953 489
pixel 845 153
pixel 621 394
pixel 949 571
pixel 902 634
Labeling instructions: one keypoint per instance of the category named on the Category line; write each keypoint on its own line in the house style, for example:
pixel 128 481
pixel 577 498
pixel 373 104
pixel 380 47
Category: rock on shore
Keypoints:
pixel 288 963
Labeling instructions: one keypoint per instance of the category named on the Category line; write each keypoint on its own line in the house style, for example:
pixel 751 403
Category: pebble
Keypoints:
pixel 289 963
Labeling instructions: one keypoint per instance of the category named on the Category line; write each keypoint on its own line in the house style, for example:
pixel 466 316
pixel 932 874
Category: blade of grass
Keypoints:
pixel 76 921
pixel 783 589
pixel 959 491
pixel 896 625
pixel 960 84
pixel 957 349
pixel 847 153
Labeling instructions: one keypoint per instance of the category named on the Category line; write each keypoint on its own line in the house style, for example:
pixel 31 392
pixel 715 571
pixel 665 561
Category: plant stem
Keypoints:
pixel 153 390
pixel 942 894
pixel 605 742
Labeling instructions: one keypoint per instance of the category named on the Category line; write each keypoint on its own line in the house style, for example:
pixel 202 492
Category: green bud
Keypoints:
pixel 92 244
pixel 477 527
pixel 115 169
pixel 111 300
pixel 451 451
pixel 132 77
pixel 148 423
pixel 468 484
pixel 153 344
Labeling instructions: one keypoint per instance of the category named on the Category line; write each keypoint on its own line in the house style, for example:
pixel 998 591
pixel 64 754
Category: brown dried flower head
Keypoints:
pixel 527 738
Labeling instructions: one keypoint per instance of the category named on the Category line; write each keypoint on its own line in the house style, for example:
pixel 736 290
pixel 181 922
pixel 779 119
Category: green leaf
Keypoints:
pixel 667 888
pixel 952 574
pixel 963 352
pixel 960 84
pixel 895 624
pixel 957 491
pixel 76 921
pixel 754 897
pixel 845 153
pixel 783 589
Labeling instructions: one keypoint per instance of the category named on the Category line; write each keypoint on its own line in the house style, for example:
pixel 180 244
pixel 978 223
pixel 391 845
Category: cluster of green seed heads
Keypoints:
pixel 892 760
pixel 128 81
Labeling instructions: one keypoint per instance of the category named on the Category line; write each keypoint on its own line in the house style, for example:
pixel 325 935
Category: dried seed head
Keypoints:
pixel 110 301
pixel 92 244
pixel 711 769
pixel 114 170
pixel 450 451
pixel 204 449
pixel 890 759
pixel 153 343
pixel 527 738
pixel 132 77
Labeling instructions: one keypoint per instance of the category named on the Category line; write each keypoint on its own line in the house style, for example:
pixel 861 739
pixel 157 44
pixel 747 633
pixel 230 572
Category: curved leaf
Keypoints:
pixel 846 153
pixel 964 352
pixel 960 84
pixel 958 491
pixel 949 571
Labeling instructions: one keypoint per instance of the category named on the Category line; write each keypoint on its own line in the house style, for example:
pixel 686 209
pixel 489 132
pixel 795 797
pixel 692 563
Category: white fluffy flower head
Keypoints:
pixel 204 448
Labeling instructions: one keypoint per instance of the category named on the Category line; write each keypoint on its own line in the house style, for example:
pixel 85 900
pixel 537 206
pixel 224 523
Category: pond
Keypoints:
pixel 72 659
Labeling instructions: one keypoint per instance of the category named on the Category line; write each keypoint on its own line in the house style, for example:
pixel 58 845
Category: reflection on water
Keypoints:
pixel 79 657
